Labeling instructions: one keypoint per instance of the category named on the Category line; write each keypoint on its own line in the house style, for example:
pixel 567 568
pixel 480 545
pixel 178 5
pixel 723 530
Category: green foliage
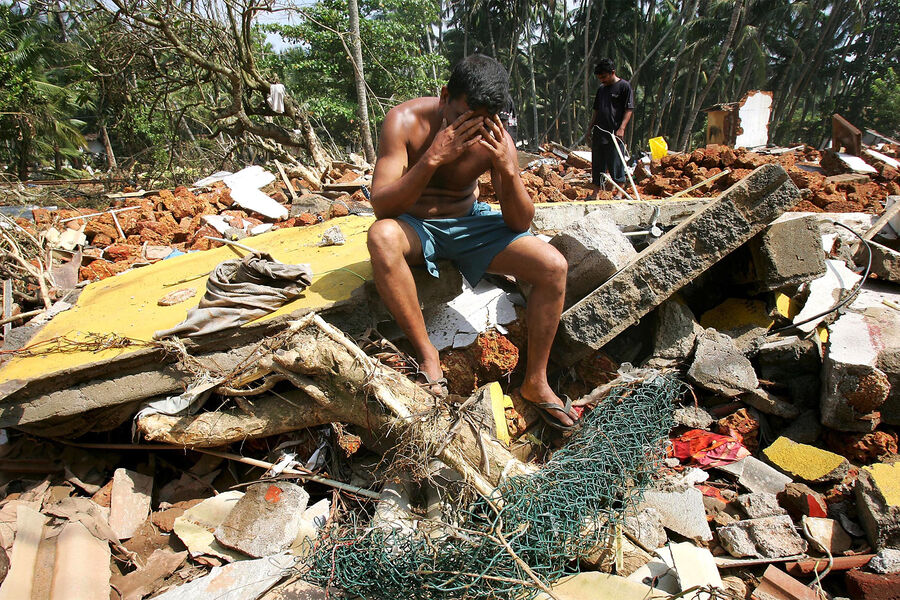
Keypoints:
pixel 396 65
pixel 883 111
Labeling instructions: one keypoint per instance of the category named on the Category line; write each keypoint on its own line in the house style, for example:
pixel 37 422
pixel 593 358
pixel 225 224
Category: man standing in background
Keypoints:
pixel 613 107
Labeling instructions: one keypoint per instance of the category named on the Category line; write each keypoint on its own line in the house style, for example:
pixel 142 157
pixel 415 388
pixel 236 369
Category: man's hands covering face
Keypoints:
pixel 494 141
pixel 451 141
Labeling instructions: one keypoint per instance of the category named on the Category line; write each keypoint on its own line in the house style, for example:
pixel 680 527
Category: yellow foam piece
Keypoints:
pixel 499 403
pixel 737 312
pixel 806 462
pixel 786 306
pixel 887 478
pixel 822 332
pixel 126 304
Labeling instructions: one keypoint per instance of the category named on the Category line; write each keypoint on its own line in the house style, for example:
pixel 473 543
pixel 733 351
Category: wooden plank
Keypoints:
pixel 287 182
pixel 7 306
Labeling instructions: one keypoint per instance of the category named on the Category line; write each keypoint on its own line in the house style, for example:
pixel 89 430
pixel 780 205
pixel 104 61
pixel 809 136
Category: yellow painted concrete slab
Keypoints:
pixel 802 460
pixel 737 312
pixel 887 478
pixel 126 305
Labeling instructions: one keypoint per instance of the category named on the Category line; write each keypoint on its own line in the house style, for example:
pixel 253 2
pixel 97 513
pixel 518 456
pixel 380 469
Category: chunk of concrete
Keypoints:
pixel 759 505
pixel 805 462
pixel 300 590
pixel 877 493
pixel 647 526
pixel 886 561
pixel 824 293
pixel 885 261
pixel 694 417
pixel 770 537
pixel 853 388
pixel 787 254
pixel 195 527
pixel 801 500
pixel 595 250
pixel 674 260
pixel 266 520
pixel 243 580
pixel 682 511
pixel 719 367
pixel 129 504
pixel 826 535
pixel 756 476
pixel 767 402
pixel 676 330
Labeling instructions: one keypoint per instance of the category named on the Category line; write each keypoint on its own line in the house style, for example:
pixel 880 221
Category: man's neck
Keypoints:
pixel 615 80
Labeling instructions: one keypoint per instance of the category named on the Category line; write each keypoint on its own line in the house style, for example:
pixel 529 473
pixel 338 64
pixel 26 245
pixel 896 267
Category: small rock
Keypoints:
pixel 886 561
pixel 826 535
pixel 759 505
pixel 801 500
pixel 770 537
pixel 719 367
pixel 676 331
pixel 694 417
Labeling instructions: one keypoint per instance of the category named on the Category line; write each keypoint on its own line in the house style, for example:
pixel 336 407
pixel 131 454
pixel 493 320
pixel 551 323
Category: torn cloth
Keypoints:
pixel 241 290
pixel 707 449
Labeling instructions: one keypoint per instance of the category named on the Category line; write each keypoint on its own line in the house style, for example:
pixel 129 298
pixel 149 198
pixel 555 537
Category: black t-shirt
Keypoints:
pixel 611 103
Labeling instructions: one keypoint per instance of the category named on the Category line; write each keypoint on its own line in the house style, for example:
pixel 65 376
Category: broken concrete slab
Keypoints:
pixel 769 537
pixel 646 525
pixel 130 502
pixel 787 254
pixel 551 218
pixel 824 293
pixel 745 321
pixel 19 581
pixel 81 565
pixel 456 320
pixel 676 330
pixel 595 250
pixel 805 462
pixel 886 561
pixel 694 417
pixel 877 492
pixel 243 580
pixel 266 520
pixel 694 567
pixel 719 367
pixel 759 505
pixel 195 527
pixel 885 261
pixel 826 535
pixel 756 476
pixel 682 511
pixel 674 260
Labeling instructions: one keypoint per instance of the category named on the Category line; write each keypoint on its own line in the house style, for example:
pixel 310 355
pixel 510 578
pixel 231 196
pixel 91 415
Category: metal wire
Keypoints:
pixel 534 527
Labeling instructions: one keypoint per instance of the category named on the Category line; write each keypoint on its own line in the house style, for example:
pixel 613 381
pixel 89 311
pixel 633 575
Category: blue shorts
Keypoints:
pixel 471 242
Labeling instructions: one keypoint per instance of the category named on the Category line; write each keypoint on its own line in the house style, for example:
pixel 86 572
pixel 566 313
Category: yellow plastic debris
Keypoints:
pixel 499 403
pixel 887 478
pixel 126 305
pixel 737 312
pixel 786 306
pixel 658 147
pixel 805 462
pixel 822 332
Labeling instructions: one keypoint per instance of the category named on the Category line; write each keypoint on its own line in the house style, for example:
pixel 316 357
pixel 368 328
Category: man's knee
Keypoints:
pixel 550 268
pixel 385 239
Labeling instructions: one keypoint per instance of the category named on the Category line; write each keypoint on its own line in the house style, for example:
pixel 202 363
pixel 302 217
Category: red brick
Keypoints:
pixel 862 585
pixel 118 252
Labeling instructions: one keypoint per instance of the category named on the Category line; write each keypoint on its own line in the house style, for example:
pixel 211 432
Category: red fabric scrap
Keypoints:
pixel 707 449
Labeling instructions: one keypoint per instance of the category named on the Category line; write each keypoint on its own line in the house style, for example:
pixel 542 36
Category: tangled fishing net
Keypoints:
pixel 534 526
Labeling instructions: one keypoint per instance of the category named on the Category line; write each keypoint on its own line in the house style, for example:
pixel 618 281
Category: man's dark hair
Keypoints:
pixel 605 65
pixel 483 81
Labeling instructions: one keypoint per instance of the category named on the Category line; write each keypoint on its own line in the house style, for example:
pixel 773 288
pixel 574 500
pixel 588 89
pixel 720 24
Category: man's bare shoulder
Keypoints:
pixel 412 113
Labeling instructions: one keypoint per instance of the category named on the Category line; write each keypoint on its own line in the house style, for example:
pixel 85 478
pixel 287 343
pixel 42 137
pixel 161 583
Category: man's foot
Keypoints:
pixel 431 378
pixel 544 400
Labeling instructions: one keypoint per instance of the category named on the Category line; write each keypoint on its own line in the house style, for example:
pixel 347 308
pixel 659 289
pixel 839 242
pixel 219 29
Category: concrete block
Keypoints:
pixel 801 500
pixel 554 217
pixel 872 586
pixel 824 293
pixel 647 526
pixel 595 250
pixel 130 502
pixel 886 561
pixel 719 367
pixel 877 493
pixel 242 580
pixel 756 476
pixel 770 537
pixel 787 254
pixel 770 404
pixel 885 261
pixel 676 330
pixel 674 260
pixel 682 511
pixel 781 358
pixel 266 520
pixel 826 535
pixel 807 463
pixel 759 505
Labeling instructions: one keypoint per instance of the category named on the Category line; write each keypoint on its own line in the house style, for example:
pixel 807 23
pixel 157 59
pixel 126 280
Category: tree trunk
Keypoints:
pixel 534 109
pixel 362 107
pixel 110 156
pixel 726 45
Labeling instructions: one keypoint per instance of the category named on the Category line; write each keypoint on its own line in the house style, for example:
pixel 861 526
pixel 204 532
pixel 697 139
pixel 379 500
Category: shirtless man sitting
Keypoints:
pixel 424 193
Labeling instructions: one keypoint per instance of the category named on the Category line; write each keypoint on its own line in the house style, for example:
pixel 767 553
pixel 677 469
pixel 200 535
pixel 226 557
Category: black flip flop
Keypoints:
pixel 429 384
pixel 549 419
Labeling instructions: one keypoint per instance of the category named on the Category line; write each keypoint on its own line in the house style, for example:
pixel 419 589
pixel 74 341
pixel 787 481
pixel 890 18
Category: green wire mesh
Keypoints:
pixel 548 519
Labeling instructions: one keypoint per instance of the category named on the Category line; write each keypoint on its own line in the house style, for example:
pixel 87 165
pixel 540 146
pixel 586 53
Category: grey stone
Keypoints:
pixel 676 330
pixel 781 358
pixel 551 218
pixel 719 367
pixel 241 580
pixel 787 254
pixel 770 537
pixel 266 520
pixel 595 250
pixel 674 260
pixel 234 234
pixel 805 429
pixel 756 476
pixel 886 561
pixel 647 527
pixel 310 203
pixel 880 519
pixel 681 511
pixel 885 261
pixel 694 417
pixel 770 404
pixel 759 505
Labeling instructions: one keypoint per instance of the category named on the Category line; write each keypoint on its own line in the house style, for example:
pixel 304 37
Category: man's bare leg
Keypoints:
pixel 393 247
pixel 538 263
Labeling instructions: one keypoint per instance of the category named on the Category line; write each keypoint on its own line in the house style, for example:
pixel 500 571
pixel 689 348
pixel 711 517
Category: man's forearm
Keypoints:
pixel 396 198
pixel 515 202
pixel 625 119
